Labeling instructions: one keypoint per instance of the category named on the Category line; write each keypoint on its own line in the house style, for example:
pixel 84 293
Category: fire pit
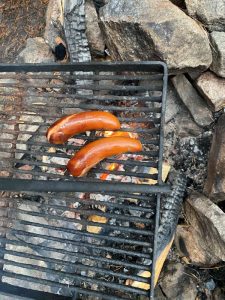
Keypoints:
pixel 80 237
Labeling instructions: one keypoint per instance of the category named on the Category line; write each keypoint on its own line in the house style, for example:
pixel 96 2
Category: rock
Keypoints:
pixel 212 88
pixel 54 22
pixel 218 53
pixel 93 31
pixel 141 30
pixel 203 242
pixel 176 283
pixel 172 104
pixel 36 51
pixel 192 100
pixel 186 127
pixel 209 13
pixel 215 182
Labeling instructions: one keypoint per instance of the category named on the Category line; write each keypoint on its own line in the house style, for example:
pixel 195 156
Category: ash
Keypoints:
pixel 191 156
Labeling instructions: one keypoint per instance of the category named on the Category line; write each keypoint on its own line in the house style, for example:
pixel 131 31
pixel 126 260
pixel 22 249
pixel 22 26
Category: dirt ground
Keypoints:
pixel 19 20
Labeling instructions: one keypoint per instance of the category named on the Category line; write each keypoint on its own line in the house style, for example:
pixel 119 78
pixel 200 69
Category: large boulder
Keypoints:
pixel 218 52
pixel 154 30
pixel 212 88
pixel 215 182
pixel 93 32
pixel 210 12
pixel 192 100
pixel 203 241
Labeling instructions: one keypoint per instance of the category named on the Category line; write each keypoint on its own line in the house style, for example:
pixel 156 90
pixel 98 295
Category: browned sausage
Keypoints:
pixel 94 152
pixel 65 128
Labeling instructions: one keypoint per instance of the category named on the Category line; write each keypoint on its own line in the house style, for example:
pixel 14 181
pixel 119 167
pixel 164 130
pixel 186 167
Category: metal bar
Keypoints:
pixel 8 184
pixel 110 160
pixel 76 232
pixel 154 87
pixel 64 155
pixel 77 266
pixel 81 97
pixel 85 213
pixel 87 138
pixel 81 244
pixel 78 255
pixel 86 202
pixel 64 76
pixel 84 234
pixel 125 195
pixel 60 285
pixel 68 201
pixel 140 66
pixel 91 107
pixel 76 277
pixel 47 123
pixel 154 130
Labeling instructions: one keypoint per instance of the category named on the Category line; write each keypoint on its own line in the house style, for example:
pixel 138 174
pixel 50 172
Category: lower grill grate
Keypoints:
pixel 92 237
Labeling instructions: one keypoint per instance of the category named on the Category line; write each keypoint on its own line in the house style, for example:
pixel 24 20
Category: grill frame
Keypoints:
pixel 9 184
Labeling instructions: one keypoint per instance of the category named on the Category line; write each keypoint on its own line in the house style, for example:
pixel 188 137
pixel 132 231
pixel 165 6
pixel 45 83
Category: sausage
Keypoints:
pixel 91 154
pixel 65 128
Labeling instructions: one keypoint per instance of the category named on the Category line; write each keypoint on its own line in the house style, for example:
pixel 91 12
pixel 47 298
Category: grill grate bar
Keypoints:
pixel 71 231
pixel 47 123
pixel 71 201
pixel 80 279
pixel 48 283
pixel 153 131
pixel 68 97
pixel 89 213
pixel 76 255
pixel 64 155
pixel 128 88
pixel 81 244
pixel 85 234
pixel 122 162
pixel 80 76
pixel 93 107
pixel 76 266
pixel 124 196
pixel 88 138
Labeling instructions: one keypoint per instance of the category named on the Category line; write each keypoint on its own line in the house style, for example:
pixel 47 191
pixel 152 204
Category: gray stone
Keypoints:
pixel 215 182
pixel 218 53
pixel 141 30
pixel 176 283
pixel 210 13
pixel 54 22
pixel 212 88
pixel 172 104
pixel 93 31
pixel 36 51
pixel 203 242
pixel 192 100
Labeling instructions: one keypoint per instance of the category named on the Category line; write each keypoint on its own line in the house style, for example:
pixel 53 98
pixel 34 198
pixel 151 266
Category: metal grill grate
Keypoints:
pixel 51 240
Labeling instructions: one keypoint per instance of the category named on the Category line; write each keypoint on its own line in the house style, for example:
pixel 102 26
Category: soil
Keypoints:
pixel 19 20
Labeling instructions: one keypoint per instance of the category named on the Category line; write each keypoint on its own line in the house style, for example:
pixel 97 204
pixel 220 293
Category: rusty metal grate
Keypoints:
pixel 48 239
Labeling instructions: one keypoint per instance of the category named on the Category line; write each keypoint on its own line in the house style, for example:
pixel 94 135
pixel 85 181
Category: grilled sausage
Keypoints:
pixel 65 128
pixel 94 152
